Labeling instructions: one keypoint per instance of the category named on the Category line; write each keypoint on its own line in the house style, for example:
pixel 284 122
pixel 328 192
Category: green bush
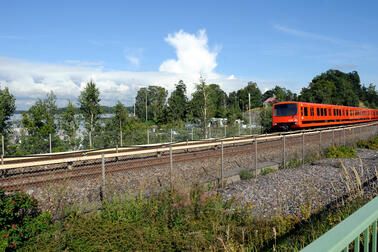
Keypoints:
pixel 267 171
pixel 20 219
pixel 341 152
pixel 245 175
pixel 371 144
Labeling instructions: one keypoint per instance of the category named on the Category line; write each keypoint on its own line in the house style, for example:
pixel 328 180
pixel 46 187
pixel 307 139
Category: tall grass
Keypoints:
pixel 175 221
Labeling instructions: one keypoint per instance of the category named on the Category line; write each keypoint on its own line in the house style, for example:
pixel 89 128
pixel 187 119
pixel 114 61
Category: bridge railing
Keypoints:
pixel 349 231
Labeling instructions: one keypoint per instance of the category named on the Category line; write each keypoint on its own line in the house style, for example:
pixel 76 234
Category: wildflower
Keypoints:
pixel 6 236
pixel 14 226
pixel 32 196
pixel 14 202
pixel 13 244
pixel 22 235
pixel 45 222
pixel 11 210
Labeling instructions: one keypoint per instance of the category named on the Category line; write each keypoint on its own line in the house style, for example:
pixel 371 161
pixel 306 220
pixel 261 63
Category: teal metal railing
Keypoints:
pixel 342 235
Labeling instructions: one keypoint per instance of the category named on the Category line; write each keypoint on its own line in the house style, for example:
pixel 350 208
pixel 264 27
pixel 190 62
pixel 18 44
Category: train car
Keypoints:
pixel 297 115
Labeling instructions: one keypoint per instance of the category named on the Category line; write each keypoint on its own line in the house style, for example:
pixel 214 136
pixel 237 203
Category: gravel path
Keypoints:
pixel 296 191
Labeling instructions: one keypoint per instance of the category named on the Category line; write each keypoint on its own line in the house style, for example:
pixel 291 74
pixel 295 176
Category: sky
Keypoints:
pixel 125 45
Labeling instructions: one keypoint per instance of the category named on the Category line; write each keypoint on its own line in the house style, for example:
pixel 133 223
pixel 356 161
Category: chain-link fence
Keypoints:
pixel 85 179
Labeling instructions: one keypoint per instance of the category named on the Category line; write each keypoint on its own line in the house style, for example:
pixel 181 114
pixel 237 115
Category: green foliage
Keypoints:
pixel 7 109
pixel 69 122
pixel 37 123
pixel 255 93
pixel 371 144
pixel 156 101
pixel 266 118
pixel 20 219
pixel 282 94
pixel 341 152
pixel 334 87
pixel 267 171
pixel 178 103
pixel 245 175
pixel 89 101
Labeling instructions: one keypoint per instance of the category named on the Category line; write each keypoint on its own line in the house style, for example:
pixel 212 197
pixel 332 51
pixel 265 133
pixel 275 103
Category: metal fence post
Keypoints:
pixel 90 139
pixel 171 136
pixel 344 136
pixel 50 143
pixel 303 149
pixel 255 156
pixel 192 133
pixel 148 136
pixel 225 130
pixel 239 129
pixel 222 165
pixel 2 145
pixel 103 171
pixel 210 131
pixel 333 137
pixel 121 138
pixel 284 151
pixel 171 165
pixel 117 148
pixel 320 143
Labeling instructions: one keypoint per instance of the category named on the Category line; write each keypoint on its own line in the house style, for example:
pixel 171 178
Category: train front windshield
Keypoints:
pixel 285 109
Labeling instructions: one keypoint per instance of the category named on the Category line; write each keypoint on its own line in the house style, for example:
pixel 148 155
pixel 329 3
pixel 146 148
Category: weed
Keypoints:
pixel 267 171
pixel 341 152
pixel 245 175
pixel 371 144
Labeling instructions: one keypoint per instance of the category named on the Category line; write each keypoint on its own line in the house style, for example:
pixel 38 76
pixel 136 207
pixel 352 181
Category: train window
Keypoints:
pixel 302 111
pixel 312 111
pixel 329 112
pixel 321 111
pixel 317 111
pixel 347 112
pixel 334 112
pixel 305 111
pixel 286 109
pixel 325 112
pixel 343 112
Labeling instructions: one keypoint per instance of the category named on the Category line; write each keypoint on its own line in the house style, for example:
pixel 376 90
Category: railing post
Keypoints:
pixel 117 148
pixel 320 143
pixel 148 136
pixel 303 149
pixel 103 171
pixel 344 136
pixel 50 147
pixel 239 129
pixel 256 156
pixel 2 145
pixel 284 151
pixel 121 137
pixel 171 136
pixel 222 165
pixel 333 137
pixel 171 165
pixel 210 130
pixel 192 134
pixel 225 131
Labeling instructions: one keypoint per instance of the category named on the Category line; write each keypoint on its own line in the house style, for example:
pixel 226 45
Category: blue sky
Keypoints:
pixel 123 45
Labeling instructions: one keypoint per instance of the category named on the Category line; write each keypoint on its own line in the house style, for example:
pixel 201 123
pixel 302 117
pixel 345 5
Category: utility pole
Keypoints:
pixel 146 104
pixel 249 110
pixel 134 107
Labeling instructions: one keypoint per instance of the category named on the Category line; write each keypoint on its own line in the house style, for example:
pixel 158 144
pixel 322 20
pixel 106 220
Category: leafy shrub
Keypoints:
pixel 267 171
pixel 371 144
pixel 341 152
pixel 245 175
pixel 20 219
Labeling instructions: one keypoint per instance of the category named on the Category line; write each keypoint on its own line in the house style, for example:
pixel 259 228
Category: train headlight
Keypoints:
pixel 275 124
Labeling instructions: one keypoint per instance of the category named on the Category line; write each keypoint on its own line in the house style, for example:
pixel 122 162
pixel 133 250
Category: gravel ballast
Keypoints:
pixel 297 191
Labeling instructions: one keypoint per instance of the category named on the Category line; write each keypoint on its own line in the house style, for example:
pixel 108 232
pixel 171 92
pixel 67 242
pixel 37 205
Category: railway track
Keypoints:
pixel 41 169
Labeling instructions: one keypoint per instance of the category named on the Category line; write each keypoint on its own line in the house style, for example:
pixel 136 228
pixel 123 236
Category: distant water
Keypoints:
pixel 18 117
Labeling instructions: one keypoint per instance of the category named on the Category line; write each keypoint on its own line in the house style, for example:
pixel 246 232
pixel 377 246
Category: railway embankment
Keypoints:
pixel 302 191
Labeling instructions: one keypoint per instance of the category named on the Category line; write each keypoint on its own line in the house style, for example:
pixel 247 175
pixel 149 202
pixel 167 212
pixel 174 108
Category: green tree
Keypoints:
pixel 282 94
pixel 218 98
pixel 254 92
pixel 154 98
pixel 266 119
pixel 178 102
pixel 7 108
pixel 89 101
pixel 38 122
pixel 334 87
pixel 69 122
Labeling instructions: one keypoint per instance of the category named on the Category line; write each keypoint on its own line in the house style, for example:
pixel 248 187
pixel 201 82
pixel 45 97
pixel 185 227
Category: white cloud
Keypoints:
pixel 29 81
pixel 193 54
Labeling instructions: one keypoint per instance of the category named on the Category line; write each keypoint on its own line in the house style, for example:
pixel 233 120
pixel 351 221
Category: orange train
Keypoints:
pixel 297 115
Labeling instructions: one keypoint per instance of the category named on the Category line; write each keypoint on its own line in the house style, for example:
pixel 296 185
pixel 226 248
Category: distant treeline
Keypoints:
pixel 155 109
